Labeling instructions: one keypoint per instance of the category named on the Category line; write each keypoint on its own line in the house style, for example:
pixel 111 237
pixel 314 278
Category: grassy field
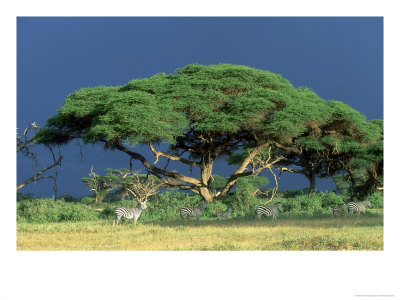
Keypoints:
pixel 324 233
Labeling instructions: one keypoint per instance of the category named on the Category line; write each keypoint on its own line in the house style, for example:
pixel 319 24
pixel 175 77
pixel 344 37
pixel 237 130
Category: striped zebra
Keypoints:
pixel 224 214
pixel 188 212
pixel 268 210
pixel 338 209
pixel 129 213
pixel 358 207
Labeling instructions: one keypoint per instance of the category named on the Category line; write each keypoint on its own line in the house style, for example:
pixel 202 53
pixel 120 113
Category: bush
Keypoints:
pixel 314 204
pixel 68 198
pixel 48 210
pixel 330 199
pixel 165 206
pixel 376 199
pixel 242 201
pixel 22 197
pixel 214 207
pixel 161 207
pixel 88 200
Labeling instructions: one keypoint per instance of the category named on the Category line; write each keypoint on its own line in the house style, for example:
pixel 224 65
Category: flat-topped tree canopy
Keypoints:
pixel 202 111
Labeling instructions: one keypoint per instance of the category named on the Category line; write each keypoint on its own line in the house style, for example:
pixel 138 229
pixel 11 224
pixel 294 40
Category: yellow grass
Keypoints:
pixel 364 233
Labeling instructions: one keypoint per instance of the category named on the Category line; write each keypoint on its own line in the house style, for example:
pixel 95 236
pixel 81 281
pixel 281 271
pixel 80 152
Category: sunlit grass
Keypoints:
pixel 364 233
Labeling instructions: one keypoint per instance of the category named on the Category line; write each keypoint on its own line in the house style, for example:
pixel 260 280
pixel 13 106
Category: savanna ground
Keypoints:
pixel 287 233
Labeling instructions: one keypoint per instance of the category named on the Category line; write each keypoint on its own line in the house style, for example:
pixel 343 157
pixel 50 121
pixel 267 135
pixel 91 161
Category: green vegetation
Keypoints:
pixel 165 207
pixel 305 224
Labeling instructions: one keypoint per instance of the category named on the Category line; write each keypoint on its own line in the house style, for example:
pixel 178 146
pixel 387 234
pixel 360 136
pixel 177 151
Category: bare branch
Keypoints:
pixel 36 176
pixel 25 146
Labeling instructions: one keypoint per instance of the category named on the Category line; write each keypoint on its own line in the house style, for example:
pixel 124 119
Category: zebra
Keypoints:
pixel 268 210
pixel 338 209
pixel 129 213
pixel 187 212
pixel 358 207
pixel 224 214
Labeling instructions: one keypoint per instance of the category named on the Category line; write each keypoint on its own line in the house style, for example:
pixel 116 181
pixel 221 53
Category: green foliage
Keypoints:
pixel 292 193
pixel 47 210
pixel 165 206
pixel 68 198
pixel 88 200
pixel 214 207
pixel 161 207
pixel 376 199
pixel 21 196
pixel 218 182
pixel 315 204
pixel 218 99
pixel 244 200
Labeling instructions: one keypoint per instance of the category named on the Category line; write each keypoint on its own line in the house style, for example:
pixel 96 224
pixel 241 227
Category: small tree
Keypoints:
pixel 140 186
pixel 127 183
pixel 99 185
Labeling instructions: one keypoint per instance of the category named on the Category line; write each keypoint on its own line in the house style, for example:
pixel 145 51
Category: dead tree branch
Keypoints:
pixel 25 145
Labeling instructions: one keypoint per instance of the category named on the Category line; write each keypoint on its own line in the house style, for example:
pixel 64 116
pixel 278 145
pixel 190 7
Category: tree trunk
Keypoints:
pixel 311 178
pixel 206 171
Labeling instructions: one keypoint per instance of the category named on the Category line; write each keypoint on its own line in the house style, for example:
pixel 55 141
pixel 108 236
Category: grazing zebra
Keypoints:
pixel 358 207
pixel 129 213
pixel 224 214
pixel 188 212
pixel 338 209
pixel 268 210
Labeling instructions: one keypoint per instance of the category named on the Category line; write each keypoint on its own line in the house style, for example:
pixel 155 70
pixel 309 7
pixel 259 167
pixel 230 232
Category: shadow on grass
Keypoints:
pixel 284 221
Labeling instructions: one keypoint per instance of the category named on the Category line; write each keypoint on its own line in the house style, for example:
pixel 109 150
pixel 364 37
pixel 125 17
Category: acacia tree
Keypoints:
pixel 362 164
pixel 334 134
pixel 331 143
pixel 203 112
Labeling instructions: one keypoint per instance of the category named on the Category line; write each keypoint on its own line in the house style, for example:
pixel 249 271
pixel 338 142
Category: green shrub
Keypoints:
pixel 68 198
pixel 88 200
pixel 28 196
pixel 47 210
pixel 314 204
pixel 330 199
pixel 107 212
pixel 242 201
pixel 165 206
pixel 376 199
pixel 161 207
pixel 214 207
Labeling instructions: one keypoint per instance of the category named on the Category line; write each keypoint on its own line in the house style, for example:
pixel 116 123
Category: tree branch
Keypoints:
pixel 239 172
pixel 171 157
pixel 154 170
pixel 35 177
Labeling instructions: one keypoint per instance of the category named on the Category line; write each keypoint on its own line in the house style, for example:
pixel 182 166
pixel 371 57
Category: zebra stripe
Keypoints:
pixel 224 214
pixel 129 213
pixel 358 207
pixel 188 212
pixel 338 209
pixel 268 210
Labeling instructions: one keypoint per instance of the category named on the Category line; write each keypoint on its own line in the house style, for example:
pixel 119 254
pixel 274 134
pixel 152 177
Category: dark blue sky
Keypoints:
pixel 339 58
